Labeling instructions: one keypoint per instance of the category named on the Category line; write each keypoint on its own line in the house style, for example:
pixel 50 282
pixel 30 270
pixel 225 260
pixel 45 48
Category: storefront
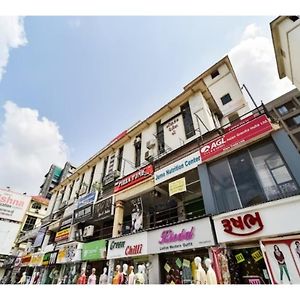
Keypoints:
pixel 50 271
pixel 69 262
pixel 177 246
pixel 36 263
pixel 249 237
pixel 94 254
pixel 131 250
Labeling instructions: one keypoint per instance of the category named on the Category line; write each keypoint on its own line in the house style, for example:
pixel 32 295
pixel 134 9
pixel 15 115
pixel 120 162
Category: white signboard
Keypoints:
pixel 70 252
pixel 127 246
pixel 13 206
pixel 8 234
pixel 264 220
pixel 180 166
pixel 189 235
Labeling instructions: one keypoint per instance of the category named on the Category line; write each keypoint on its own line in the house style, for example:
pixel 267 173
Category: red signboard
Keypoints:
pixel 133 178
pixel 237 136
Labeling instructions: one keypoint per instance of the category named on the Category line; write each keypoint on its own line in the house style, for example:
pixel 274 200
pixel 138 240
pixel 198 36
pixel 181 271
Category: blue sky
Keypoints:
pixel 96 76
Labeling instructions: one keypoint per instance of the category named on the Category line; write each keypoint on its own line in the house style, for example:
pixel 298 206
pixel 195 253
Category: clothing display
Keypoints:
pixel 92 279
pixel 223 261
pixel 187 277
pixel 82 279
pixel 210 274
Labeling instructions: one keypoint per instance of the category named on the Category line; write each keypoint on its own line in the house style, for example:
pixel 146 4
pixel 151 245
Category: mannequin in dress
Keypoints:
pixel 92 278
pixel 140 279
pixel 201 277
pixel 103 277
pixel 211 275
pixel 124 277
pixel 131 277
pixel 23 279
pixel 117 277
pixel 82 278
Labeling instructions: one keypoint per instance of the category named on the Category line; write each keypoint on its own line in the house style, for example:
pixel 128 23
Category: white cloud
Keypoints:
pixel 28 146
pixel 12 35
pixel 253 60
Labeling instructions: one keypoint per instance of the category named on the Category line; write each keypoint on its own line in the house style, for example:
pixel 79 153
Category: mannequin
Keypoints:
pixel 211 275
pixel 23 279
pixel 92 277
pixel 103 277
pixel 131 277
pixel 55 276
pixel 124 278
pixel 82 278
pixel 140 279
pixel 36 278
pixel 117 277
pixel 201 277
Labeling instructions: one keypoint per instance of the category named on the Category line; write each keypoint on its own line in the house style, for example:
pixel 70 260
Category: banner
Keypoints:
pixel 104 208
pixel 177 186
pixel 40 237
pixel 87 199
pixel 237 136
pixel 62 234
pixel 94 250
pixel 282 257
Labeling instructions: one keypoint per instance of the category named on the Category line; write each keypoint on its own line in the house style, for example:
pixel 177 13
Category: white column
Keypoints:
pixel 154 271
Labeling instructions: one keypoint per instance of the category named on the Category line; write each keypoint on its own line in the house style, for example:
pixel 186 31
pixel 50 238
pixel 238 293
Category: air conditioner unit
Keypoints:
pixel 88 231
pixel 150 144
pixel 78 235
pixel 117 173
pixel 149 155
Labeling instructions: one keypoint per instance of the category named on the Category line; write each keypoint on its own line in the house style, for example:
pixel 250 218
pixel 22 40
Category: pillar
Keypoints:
pixel 154 270
pixel 118 219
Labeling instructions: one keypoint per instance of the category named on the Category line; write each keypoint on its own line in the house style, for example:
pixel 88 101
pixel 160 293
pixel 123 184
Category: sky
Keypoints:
pixel 69 85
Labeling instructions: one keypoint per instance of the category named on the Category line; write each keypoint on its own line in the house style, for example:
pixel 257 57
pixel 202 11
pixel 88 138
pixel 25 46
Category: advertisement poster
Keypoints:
pixel 136 215
pixel 283 259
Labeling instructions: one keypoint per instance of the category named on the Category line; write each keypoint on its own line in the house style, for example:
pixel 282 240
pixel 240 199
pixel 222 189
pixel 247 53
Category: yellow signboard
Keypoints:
pixel 61 255
pixel 62 234
pixel 257 255
pixel 239 258
pixel 36 259
pixel 177 186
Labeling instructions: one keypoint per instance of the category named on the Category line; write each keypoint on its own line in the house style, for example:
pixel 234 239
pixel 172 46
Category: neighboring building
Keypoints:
pixel 54 176
pixel 286 110
pixel 286 40
pixel 13 207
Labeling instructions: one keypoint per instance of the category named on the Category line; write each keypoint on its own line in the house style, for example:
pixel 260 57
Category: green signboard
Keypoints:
pixel 94 250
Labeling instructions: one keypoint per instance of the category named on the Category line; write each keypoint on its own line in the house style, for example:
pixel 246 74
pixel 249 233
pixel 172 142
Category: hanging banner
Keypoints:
pixel 282 257
pixel 233 138
pixel 136 215
pixel 177 186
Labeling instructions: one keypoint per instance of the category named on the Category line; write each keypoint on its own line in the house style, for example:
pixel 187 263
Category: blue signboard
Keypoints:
pixel 87 199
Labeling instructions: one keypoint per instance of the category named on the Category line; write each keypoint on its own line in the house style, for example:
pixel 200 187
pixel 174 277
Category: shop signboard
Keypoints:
pixel 87 199
pixel 70 252
pixel 8 233
pixel 188 235
pixel 40 237
pixel 13 205
pixel 263 220
pixel 104 208
pixel 49 258
pixel 36 259
pixel 128 246
pixel 235 137
pixel 94 251
pixel 282 256
pixel 133 178
pixel 62 235
pixel 82 214
pixel 177 186
pixel 26 260
pixel 178 167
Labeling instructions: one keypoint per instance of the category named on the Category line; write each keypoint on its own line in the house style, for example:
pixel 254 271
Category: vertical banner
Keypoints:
pixel 282 257
pixel 136 215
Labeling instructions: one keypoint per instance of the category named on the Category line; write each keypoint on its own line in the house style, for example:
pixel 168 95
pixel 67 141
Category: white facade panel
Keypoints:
pixel 8 234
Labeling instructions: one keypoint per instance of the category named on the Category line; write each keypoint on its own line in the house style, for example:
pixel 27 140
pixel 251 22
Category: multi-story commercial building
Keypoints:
pixel 286 40
pixel 53 177
pixel 155 196
pixel 286 110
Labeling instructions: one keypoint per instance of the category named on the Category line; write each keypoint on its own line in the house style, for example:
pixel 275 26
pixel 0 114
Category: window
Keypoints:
pixel 120 158
pixel 214 74
pixel 293 122
pixel 138 146
pixel 286 108
pixel 105 167
pixel 294 18
pixel 29 224
pixel 71 189
pixel 160 137
pixel 91 178
pixel 36 205
pixel 226 99
pixel 249 177
pixel 187 120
